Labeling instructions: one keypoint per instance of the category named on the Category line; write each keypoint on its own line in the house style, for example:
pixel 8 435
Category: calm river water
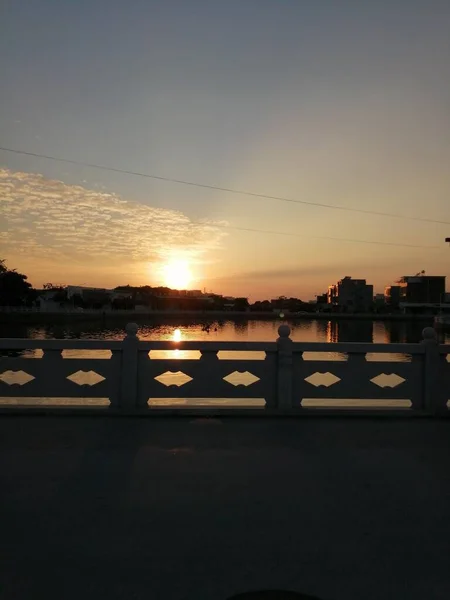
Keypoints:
pixel 229 330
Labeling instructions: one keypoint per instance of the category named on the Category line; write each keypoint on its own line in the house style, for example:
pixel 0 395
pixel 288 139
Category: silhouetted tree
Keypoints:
pixel 261 306
pixel 241 304
pixel 14 287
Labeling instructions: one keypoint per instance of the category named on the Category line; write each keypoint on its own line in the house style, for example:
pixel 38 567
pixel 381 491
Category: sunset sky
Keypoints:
pixel 339 102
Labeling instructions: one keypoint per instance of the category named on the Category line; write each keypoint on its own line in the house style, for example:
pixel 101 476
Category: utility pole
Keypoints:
pixel 448 242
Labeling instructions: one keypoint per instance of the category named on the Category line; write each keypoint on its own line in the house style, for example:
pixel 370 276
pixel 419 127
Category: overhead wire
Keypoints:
pixel 247 193
pixel 317 237
pixel 224 189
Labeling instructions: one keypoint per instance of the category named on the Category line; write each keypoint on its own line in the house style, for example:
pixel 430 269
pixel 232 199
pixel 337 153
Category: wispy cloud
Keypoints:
pixel 50 218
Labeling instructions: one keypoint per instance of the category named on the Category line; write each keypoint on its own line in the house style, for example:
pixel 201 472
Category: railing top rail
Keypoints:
pixel 208 346
pixel 358 347
pixel 214 346
pixel 87 344
pixel 340 347
pixel 65 344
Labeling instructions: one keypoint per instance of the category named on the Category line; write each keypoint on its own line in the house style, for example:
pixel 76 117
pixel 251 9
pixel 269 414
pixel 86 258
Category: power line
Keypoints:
pixel 224 189
pixel 246 229
pixel 317 237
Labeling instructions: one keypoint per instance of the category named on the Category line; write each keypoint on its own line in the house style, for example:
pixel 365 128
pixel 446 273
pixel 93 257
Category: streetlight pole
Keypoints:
pixel 448 242
pixel 442 320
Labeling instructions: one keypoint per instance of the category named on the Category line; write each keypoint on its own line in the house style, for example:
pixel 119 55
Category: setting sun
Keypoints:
pixel 177 274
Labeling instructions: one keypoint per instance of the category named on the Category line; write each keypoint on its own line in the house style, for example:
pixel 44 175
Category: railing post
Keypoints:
pixel 433 402
pixel 284 368
pixel 129 374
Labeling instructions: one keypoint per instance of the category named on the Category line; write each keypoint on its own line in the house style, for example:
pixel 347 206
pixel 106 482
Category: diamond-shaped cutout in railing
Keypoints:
pixel 241 378
pixel 390 380
pixel 322 379
pixel 86 378
pixel 171 378
pixel 16 377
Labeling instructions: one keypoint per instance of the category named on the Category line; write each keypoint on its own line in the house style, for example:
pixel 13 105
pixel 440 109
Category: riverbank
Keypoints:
pixel 61 317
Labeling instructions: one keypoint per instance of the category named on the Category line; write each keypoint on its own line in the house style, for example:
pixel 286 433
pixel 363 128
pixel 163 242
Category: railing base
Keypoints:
pixel 222 413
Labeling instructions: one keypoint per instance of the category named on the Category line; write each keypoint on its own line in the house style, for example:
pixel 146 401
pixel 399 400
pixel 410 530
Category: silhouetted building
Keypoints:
pixel 392 296
pixel 51 300
pixel 190 293
pixel 89 296
pixel 322 300
pixel 351 295
pixel 229 302
pixel 422 289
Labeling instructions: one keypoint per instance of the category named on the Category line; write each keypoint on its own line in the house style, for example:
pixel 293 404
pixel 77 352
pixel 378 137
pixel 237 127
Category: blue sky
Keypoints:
pixel 342 103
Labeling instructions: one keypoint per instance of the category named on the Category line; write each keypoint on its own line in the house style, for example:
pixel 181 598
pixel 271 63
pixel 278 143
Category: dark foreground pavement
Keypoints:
pixel 181 509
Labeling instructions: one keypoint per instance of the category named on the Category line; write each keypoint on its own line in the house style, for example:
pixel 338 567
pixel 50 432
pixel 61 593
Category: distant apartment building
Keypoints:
pixel 88 297
pixel 379 302
pixel 322 299
pixel 229 302
pixel 51 300
pixel 422 289
pixel 392 296
pixel 351 295
pixel 79 290
pixel 190 293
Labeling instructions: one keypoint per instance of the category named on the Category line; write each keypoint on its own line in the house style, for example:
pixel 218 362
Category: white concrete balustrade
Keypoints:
pixel 280 377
